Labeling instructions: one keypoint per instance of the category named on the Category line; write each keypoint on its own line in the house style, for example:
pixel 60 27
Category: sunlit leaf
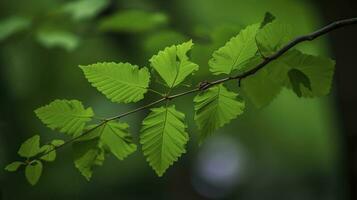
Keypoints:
pixel 173 64
pixel 273 36
pixel 236 52
pixel 119 82
pixel 163 137
pixel 68 116
pixel 211 40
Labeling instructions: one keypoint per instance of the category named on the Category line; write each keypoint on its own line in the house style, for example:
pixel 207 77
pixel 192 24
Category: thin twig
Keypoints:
pixel 204 85
pixel 137 109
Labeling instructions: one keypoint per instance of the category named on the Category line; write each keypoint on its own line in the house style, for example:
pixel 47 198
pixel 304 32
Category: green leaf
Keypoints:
pixel 163 137
pixel 251 64
pixel 91 133
pixel 273 36
pixel 33 172
pixel 318 70
pixel 50 38
pixel 266 83
pixel 48 149
pixel 12 25
pixel 68 116
pixel 298 78
pixel 57 143
pixel 173 65
pixel 236 52
pixel 50 153
pixel 14 166
pixel 119 82
pixel 214 108
pixel 116 139
pixel 87 155
pixel 261 88
pixel 84 9
pixel 133 21
pixel 31 147
pixel 268 18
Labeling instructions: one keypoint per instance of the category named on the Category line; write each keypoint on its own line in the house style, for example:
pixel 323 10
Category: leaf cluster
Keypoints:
pixel 163 134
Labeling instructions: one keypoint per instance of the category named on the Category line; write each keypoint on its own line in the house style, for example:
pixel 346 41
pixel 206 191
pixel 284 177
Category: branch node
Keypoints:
pixel 167 97
pixel 204 85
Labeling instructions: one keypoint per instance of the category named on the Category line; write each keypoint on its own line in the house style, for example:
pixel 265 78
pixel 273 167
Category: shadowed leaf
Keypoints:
pixel 163 137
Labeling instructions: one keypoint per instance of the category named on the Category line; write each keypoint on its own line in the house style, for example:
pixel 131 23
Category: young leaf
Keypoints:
pixel 31 147
pixel 14 166
pixel 87 154
pixel 214 108
pixel 50 154
pixel 33 172
pixel 163 137
pixel 272 37
pixel 68 116
pixel 173 65
pixel 119 82
pixel 298 79
pixel 116 138
pixel 84 9
pixel 235 53
pixel 13 25
pixel 57 38
pixel 132 21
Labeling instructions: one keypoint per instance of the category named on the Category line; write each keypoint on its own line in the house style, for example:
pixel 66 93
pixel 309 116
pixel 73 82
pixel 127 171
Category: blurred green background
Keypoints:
pixel 290 149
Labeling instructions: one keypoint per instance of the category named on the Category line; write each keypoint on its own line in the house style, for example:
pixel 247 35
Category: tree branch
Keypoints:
pixel 205 84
